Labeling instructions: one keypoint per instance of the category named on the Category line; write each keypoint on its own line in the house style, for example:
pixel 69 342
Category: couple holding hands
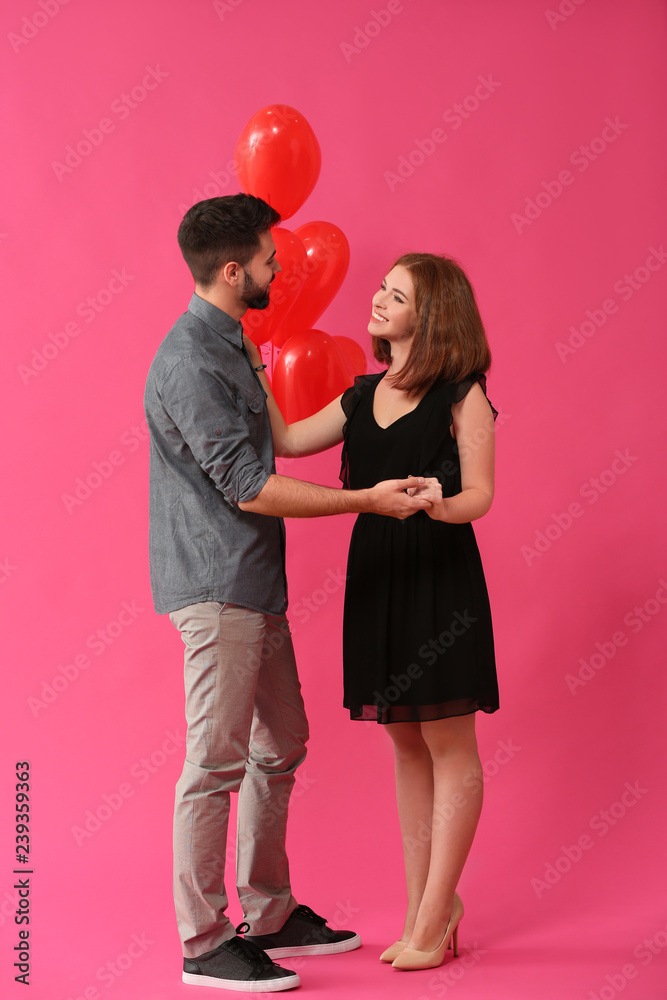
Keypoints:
pixel 417 467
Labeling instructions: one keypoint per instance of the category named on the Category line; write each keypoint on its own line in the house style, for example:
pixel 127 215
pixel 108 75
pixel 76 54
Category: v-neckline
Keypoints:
pixel 379 426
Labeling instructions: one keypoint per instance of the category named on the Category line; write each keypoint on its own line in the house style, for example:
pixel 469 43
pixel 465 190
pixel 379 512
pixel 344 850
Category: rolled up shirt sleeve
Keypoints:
pixel 207 415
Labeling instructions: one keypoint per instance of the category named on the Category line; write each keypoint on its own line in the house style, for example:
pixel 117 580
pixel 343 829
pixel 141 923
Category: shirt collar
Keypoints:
pixel 218 320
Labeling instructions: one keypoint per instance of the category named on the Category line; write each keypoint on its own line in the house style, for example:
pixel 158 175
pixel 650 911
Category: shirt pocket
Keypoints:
pixel 255 402
pixel 249 399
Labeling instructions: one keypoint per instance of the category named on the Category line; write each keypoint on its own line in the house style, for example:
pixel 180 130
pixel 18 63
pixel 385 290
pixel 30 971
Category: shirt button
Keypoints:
pixel 218 433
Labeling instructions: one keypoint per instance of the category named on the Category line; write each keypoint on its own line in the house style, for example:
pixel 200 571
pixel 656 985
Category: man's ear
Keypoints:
pixel 230 273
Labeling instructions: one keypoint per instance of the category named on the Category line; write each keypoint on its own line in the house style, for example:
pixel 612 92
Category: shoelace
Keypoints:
pixel 246 949
pixel 307 912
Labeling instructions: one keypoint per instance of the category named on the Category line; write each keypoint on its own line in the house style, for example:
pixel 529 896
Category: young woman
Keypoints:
pixel 418 643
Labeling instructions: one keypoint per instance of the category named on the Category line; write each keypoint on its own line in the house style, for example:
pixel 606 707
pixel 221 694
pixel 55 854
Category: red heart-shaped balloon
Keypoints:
pixel 261 324
pixel 328 254
pixel 310 372
pixel 277 157
pixel 354 355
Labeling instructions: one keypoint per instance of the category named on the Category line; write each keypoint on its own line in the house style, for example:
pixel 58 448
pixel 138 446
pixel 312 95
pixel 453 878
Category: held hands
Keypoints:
pixel 390 497
pixel 431 490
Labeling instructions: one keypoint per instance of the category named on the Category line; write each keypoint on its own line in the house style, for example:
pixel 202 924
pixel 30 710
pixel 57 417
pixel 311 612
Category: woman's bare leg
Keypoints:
pixel 414 796
pixel 457 802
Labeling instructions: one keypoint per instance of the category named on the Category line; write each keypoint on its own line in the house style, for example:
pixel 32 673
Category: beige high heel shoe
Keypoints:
pixel 390 953
pixel 411 958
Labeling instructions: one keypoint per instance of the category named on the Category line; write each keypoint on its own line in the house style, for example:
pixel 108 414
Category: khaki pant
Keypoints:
pixel 247 731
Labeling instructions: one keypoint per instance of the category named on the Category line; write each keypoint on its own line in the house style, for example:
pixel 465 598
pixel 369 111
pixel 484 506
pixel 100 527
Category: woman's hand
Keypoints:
pixel 305 437
pixel 253 350
pixel 431 491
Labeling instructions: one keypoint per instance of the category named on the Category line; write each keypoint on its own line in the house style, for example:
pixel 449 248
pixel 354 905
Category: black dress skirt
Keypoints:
pixel 417 633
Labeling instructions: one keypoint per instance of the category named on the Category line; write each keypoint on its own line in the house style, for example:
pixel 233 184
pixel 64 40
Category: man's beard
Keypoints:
pixel 254 296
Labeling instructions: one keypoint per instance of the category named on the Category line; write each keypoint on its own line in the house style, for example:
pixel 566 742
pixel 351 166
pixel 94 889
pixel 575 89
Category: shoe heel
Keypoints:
pixel 412 958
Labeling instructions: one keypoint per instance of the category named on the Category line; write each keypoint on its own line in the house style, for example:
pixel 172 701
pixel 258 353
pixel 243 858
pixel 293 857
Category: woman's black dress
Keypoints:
pixel 417 634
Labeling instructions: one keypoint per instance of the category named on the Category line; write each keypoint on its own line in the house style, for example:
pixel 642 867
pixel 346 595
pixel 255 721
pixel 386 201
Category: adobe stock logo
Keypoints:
pixel 307 606
pixel 111 802
pixel 115 968
pixel 221 7
pixel 625 288
pixel 635 620
pixel 581 158
pixel 454 116
pixel 97 642
pixel 603 821
pixel 102 469
pixel 6 570
pixel 363 36
pixel 31 26
pixel 122 107
pixel 592 490
pixel 566 9
pixel 88 310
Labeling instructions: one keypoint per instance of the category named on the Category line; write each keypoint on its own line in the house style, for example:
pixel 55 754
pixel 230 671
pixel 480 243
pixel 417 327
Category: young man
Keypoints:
pixel 217 556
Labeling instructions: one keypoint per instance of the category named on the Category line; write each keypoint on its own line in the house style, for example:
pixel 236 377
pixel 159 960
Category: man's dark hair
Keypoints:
pixel 218 230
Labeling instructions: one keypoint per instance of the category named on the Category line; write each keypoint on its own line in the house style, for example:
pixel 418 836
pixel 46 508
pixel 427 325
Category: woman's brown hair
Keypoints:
pixel 449 341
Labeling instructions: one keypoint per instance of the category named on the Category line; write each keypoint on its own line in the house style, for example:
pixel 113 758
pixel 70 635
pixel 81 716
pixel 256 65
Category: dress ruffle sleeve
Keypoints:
pixel 440 420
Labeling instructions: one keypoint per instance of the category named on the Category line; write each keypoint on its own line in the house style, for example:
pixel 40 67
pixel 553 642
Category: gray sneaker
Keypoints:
pixel 238 965
pixel 304 933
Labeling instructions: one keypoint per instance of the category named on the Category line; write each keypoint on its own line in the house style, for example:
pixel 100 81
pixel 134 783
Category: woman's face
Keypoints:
pixel 393 315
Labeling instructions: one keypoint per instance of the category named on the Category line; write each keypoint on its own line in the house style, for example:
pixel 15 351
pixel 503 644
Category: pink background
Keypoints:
pixel 557 755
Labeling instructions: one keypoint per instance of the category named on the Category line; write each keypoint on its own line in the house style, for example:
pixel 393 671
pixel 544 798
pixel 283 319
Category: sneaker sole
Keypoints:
pixel 243 986
pixel 335 948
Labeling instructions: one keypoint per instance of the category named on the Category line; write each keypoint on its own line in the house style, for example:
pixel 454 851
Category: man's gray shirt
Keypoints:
pixel 211 448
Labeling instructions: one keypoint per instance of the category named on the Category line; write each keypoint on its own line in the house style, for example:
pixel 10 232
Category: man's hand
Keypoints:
pixel 390 498
pixel 281 496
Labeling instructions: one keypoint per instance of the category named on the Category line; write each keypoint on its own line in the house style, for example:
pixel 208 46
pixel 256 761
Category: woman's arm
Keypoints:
pixel 305 437
pixel 474 433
